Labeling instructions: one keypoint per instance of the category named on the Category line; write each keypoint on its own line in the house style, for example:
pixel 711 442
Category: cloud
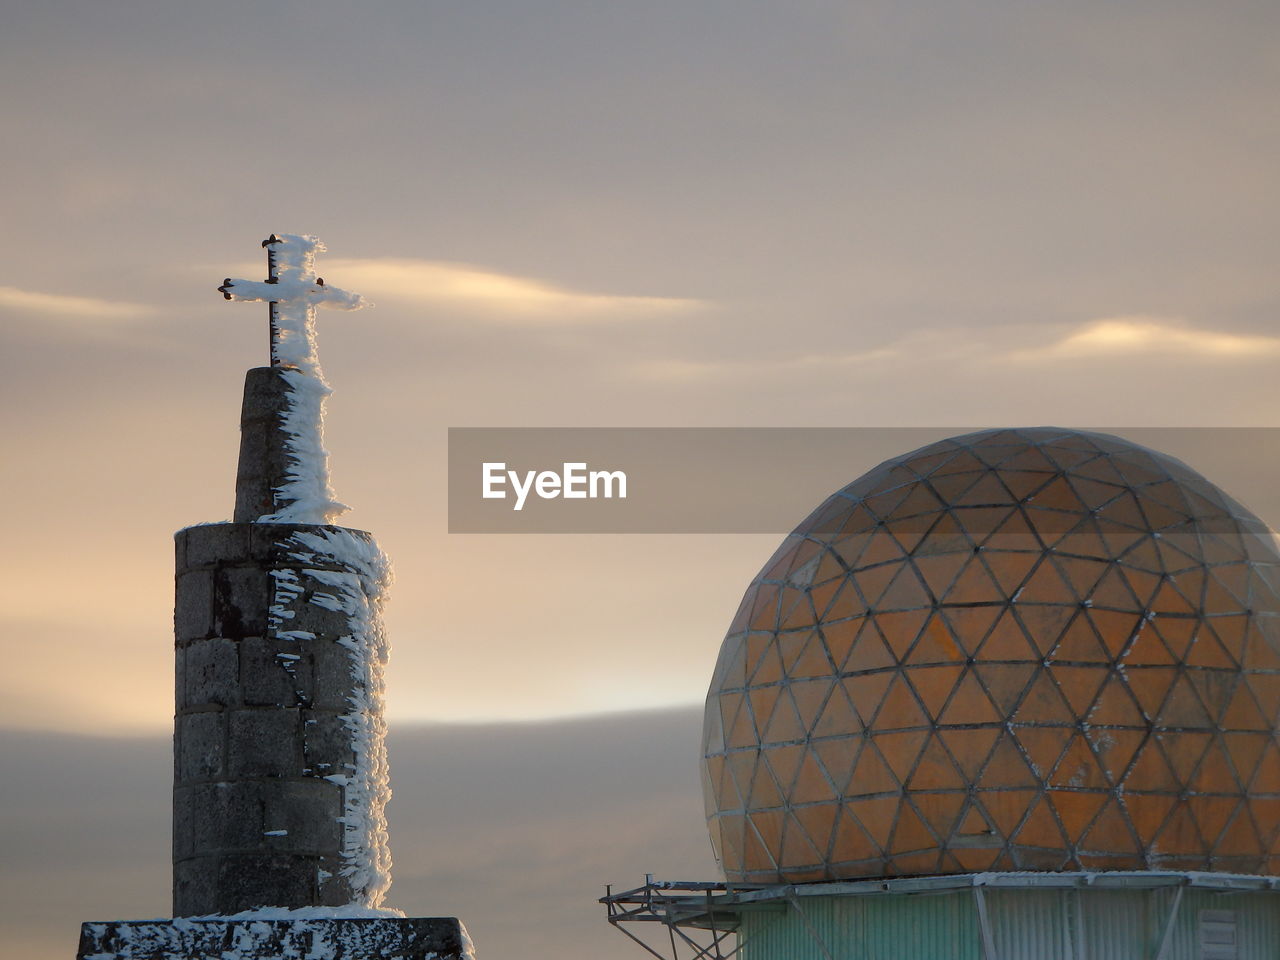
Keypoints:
pixel 494 296
pixel 1120 336
pixel 695 371
pixel 514 828
pixel 64 307
pixel 1135 335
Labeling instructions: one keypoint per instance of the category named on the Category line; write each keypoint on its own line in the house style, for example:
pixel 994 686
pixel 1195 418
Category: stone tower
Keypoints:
pixel 280 770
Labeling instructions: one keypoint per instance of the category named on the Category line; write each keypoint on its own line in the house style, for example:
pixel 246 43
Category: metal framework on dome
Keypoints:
pixel 705 920
pixel 1012 695
pixel 1034 649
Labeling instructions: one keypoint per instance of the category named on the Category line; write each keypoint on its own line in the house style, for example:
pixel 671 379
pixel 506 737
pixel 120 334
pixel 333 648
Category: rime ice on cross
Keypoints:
pixel 293 291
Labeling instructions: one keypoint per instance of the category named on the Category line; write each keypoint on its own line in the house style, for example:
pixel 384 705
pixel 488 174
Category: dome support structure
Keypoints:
pixel 975 916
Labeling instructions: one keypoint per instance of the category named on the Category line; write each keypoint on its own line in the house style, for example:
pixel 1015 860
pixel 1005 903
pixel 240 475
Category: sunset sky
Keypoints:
pixel 710 213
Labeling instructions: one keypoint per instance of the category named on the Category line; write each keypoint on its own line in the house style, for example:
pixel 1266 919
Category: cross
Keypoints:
pixel 293 291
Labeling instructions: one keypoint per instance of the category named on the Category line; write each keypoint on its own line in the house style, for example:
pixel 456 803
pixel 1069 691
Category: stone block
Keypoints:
pixel 262 467
pixel 345 938
pixel 264 742
pixel 212 543
pixel 274 672
pixel 265 394
pixel 334 888
pixel 334 680
pixel 200 746
pixel 326 743
pixel 254 446
pixel 265 542
pixel 314 617
pixel 248 880
pixel 307 811
pixel 193 606
pixel 179 677
pixel 184 814
pixel 195 893
pixel 212 669
pixel 241 598
pixel 225 816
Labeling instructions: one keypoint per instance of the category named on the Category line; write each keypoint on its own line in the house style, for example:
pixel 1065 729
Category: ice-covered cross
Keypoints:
pixel 293 292
pixel 302 494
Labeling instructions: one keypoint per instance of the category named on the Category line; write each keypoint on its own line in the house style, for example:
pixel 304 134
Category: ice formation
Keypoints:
pixel 294 292
pixel 356 588
pixel 340 570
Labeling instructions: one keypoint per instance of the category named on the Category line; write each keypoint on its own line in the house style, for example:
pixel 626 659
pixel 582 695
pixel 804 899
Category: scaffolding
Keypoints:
pixel 700 924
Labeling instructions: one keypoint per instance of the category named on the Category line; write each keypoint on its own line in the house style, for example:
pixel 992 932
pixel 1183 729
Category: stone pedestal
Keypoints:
pixel 437 938
pixel 267 722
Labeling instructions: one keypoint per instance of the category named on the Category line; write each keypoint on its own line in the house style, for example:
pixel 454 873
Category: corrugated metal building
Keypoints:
pixel 1152 915
pixel 1117 916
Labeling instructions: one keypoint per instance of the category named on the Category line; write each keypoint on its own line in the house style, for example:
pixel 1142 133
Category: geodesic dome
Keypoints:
pixel 1018 649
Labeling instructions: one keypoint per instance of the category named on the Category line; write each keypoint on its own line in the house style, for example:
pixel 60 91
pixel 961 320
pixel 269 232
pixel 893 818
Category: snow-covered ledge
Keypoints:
pixel 313 934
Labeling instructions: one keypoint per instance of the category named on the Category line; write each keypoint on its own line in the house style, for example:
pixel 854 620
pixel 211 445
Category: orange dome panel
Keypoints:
pixel 1018 649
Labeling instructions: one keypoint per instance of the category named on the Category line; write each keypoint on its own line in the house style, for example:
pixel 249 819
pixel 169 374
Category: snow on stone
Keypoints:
pixel 305 495
pixel 357 589
pixel 279 612
pixel 272 933
pixel 305 913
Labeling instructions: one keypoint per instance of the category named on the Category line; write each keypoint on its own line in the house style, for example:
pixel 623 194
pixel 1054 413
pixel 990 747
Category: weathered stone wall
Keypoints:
pixel 258 727
pixel 264 461
pixel 435 938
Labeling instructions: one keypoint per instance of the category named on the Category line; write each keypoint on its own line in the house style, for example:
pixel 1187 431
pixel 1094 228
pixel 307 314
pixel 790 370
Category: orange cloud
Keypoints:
pixel 495 296
pixel 1129 335
pixel 70 308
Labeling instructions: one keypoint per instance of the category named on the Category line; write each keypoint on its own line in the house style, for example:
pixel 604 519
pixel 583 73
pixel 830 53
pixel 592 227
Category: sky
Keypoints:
pixel 516 828
pixel 708 213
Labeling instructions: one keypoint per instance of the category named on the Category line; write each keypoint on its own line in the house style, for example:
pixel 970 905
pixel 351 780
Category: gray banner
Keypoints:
pixel 751 480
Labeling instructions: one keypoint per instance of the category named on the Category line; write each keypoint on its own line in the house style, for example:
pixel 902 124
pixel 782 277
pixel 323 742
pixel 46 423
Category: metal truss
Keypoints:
pixel 700 925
